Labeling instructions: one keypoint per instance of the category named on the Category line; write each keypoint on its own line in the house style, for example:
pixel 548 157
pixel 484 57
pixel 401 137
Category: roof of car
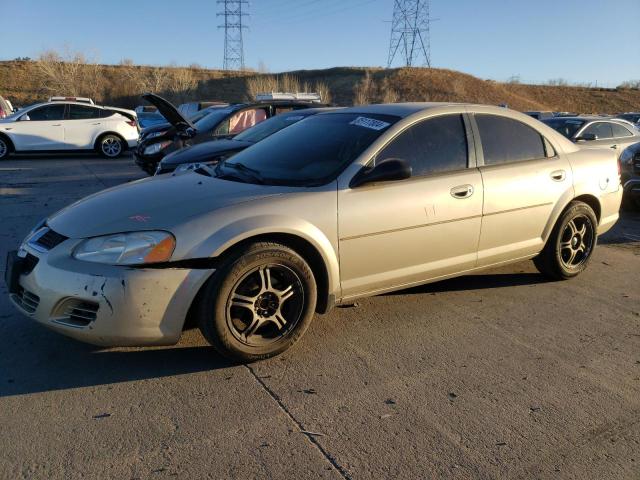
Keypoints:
pixel 588 118
pixel 406 109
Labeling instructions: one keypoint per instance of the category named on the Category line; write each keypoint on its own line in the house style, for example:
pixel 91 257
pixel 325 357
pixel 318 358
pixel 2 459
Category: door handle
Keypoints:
pixel 462 191
pixel 558 175
pixel 615 147
pixel 96 123
pixel 56 125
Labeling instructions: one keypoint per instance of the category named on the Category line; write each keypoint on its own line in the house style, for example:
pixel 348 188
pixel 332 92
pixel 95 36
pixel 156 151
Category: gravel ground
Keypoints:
pixel 496 375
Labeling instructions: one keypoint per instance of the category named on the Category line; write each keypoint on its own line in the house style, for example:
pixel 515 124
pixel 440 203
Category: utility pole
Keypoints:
pixel 233 15
pixel 410 33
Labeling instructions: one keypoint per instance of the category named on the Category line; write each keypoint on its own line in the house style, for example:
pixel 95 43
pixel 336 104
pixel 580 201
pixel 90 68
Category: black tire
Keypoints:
pixel 110 146
pixel 571 243
pixel 5 148
pixel 247 318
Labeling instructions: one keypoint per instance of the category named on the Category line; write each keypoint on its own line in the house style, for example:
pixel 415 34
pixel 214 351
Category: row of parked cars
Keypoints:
pixel 291 208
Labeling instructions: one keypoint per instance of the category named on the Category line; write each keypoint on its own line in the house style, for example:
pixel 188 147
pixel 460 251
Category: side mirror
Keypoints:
pixel 24 117
pixel 388 170
pixel 587 137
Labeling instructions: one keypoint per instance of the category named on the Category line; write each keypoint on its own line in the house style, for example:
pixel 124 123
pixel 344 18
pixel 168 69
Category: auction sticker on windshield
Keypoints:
pixel 371 123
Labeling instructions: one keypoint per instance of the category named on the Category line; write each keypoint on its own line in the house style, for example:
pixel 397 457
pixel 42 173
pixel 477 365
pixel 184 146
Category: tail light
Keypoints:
pixel 131 123
pixel 2 113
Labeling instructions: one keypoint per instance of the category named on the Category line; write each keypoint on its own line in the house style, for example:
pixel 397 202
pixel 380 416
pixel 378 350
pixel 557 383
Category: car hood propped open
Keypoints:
pixel 168 111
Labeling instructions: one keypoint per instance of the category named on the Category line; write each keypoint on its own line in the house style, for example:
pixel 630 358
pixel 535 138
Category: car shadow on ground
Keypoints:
pixel 52 362
pixel 475 282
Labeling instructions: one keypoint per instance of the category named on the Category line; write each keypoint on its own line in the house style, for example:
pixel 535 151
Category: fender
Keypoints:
pixel 233 233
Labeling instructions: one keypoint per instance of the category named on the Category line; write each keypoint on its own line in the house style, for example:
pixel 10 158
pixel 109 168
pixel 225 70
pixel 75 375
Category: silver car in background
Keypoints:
pixel 341 205
pixel 597 132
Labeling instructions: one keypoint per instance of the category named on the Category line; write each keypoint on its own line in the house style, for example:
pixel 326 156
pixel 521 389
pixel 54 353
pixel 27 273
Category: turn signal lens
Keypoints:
pixel 162 251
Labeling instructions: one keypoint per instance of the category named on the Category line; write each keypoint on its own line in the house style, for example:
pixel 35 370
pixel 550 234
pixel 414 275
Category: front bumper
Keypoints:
pixel 107 305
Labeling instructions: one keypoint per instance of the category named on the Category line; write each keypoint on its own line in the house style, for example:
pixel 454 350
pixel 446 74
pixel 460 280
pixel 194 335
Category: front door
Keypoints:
pixel 40 129
pixel 402 232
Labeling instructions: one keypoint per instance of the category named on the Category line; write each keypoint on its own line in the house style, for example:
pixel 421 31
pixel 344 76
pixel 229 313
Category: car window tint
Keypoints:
pixel 620 130
pixel 599 129
pixel 506 140
pixel 434 145
pixel 49 112
pixel 80 112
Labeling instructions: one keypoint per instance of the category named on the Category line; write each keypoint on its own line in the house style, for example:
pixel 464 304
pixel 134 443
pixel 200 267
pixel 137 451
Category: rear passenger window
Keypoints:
pixel 601 130
pixel 505 140
pixel 431 146
pixel 620 131
pixel 80 112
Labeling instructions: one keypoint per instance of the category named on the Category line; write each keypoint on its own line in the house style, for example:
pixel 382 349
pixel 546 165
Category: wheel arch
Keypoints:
pixel 304 238
pixel 125 145
pixel 10 144
pixel 587 198
pixel 307 251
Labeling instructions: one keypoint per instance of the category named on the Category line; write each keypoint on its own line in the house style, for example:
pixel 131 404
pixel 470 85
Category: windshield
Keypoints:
pixel 311 152
pixel 630 117
pixel 567 127
pixel 268 127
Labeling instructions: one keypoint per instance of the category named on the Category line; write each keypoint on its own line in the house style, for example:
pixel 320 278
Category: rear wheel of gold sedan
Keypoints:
pixel 571 243
pixel 259 302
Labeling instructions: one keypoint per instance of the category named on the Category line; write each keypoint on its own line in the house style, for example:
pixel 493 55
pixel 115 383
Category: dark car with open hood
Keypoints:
pixel 220 123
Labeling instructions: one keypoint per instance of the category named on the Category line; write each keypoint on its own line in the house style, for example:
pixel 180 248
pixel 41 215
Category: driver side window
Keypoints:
pixel 431 146
pixel 48 112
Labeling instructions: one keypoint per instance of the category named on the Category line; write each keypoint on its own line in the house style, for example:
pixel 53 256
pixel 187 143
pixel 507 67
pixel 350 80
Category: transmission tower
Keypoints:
pixel 410 35
pixel 233 15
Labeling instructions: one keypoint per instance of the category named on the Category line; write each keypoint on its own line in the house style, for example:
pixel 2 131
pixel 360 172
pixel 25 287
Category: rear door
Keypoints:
pixel 524 178
pixel 603 133
pixel 409 231
pixel 623 137
pixel 40 129
pixel 82 126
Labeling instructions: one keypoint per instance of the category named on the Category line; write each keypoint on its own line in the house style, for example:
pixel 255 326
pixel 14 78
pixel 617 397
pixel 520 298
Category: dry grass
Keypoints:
pixel 26 82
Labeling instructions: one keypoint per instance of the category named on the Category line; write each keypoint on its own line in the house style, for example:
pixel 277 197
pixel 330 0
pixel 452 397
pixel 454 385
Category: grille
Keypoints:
pixel 76 313
pixel 26 300
pixel 29 263
pixel 50 239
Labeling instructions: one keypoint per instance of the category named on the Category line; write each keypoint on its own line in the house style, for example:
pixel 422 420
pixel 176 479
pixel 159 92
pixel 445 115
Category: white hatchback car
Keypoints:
pixel 69 126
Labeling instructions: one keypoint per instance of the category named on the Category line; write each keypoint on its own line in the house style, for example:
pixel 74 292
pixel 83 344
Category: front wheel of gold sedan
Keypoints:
pixel 259 303
pixel 571 243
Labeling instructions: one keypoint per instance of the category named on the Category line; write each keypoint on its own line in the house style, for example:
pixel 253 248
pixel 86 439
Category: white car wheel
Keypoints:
pixel 111 146
pixel 4 148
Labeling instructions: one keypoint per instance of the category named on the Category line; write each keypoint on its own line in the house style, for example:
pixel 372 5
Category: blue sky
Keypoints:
pixel 577 40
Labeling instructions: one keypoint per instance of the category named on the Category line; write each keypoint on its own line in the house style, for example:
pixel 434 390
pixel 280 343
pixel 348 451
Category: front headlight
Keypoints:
pixel 132 248
pixel 188 166
pixel 156 147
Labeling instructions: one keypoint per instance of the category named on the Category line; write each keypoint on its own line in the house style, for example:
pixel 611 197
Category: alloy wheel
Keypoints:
pixel 111 146
pixel 4 149
pixel 265 305
pixel 576 242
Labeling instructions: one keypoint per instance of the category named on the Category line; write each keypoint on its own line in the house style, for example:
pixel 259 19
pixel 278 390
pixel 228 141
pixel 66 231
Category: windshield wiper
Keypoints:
pixel 241 167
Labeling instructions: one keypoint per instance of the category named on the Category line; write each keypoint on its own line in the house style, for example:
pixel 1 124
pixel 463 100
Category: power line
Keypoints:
pixel 233 15
pixel 410 33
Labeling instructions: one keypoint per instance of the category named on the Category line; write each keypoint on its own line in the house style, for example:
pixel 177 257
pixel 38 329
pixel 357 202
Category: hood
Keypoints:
pixel 168 111
pixel 203 152
pixel 155 203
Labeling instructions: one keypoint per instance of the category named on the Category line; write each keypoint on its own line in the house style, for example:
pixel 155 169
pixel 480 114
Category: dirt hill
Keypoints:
pixel 26 82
